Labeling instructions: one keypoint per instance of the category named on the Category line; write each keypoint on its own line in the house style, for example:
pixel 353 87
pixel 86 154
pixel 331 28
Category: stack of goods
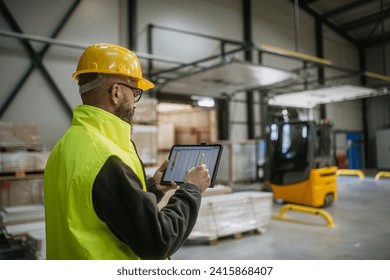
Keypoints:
pixel 145 138
pixel 217 190
pixel 231 214
pixel 145 130
pixel 21 192
pixel 238 163
pixel 23 160
pixel 21 178
pixel 21 165
pixel 10 249
pixel 22 224
pixel 36 245
pixel 18 135
pixel 22 214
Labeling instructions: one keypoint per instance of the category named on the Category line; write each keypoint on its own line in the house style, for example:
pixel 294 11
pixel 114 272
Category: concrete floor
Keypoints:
pixel 362 230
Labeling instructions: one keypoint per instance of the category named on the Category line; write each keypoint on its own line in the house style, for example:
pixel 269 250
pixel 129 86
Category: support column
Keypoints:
pixel 247 23
pixel 320 53
pixel 132 22
pixel 363 81
pixel 223 118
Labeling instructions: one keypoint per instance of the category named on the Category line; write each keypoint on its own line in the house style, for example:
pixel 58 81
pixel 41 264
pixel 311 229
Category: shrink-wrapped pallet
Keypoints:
pixel 23 161
pixel 146 112
pixel 238 163
pixel 145 139
pixel 21 192
pixel 230 214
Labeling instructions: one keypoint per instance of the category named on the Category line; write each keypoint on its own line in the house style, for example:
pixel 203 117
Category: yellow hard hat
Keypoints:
pixel 111 59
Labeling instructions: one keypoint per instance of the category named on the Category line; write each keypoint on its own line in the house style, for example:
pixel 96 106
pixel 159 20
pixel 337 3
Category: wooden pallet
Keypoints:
pixel 21 174
pixel 26 148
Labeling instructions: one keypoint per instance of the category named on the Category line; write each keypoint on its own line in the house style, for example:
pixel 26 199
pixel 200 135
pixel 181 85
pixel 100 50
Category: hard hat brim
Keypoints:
pixel 143 84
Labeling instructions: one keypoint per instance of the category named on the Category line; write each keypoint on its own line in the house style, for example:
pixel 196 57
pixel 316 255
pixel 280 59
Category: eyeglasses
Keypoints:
pixel 136 91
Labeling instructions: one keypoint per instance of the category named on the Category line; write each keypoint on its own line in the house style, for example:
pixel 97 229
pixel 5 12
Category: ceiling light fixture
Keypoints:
pixel 206 102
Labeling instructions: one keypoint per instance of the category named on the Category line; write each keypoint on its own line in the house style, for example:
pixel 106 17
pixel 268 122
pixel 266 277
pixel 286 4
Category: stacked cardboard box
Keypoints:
pixel 18 135
pixel 230 214
pixel 166 136
pixel 21 177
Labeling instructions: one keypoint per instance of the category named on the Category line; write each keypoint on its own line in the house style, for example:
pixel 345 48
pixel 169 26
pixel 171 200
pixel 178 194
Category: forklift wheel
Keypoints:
pixel 329 198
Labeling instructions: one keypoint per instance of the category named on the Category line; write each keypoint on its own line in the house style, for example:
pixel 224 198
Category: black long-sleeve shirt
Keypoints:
pixel 133 217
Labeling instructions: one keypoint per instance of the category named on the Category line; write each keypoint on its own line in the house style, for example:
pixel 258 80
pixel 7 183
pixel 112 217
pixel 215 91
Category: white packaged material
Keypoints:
pixel 23 161
pixel 36 245
pixel 21 230
pixel 22 214
pixel 230 214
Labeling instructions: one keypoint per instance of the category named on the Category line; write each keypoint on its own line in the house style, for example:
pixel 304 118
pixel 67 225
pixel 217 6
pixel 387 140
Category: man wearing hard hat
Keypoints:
pixel 98 202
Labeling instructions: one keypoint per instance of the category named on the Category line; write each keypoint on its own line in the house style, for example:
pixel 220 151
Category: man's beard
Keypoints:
pixel 125 112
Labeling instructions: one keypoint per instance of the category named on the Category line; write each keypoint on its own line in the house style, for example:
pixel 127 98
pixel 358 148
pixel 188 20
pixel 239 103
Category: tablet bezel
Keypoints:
pixel 190 146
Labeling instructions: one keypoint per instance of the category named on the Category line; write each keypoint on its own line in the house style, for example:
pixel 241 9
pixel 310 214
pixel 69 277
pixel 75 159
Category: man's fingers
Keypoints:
pixel 173 184
pixel 163 166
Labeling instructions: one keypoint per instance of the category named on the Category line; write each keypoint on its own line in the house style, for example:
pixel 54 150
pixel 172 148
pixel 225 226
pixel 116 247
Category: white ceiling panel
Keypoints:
pixel 227 78
pixel 312 98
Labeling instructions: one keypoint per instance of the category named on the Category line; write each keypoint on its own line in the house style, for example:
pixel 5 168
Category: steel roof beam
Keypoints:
pixel 364 21
pixel 347 7
pixel 328 23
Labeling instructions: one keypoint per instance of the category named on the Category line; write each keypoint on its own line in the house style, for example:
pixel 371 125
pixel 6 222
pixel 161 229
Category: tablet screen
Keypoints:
pixel 184 157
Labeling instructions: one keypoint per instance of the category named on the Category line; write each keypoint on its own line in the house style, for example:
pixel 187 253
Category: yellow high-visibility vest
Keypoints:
pixel 73 230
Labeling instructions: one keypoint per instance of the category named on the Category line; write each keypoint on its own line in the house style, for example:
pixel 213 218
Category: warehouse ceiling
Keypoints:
pixel 361 22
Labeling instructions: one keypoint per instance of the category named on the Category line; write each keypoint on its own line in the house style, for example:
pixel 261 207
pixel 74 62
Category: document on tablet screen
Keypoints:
pixel 183 158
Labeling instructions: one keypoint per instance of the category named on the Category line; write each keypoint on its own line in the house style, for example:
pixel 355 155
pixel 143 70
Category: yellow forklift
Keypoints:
pixel 301 168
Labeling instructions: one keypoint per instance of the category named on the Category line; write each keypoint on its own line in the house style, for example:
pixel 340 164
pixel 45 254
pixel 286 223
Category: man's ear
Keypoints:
pixel 114 93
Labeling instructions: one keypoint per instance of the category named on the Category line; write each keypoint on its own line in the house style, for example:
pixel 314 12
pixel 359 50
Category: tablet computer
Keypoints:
pixel 184 157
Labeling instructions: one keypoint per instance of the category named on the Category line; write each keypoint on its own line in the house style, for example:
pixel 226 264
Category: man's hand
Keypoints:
pixel 199 176
pixel 158 176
